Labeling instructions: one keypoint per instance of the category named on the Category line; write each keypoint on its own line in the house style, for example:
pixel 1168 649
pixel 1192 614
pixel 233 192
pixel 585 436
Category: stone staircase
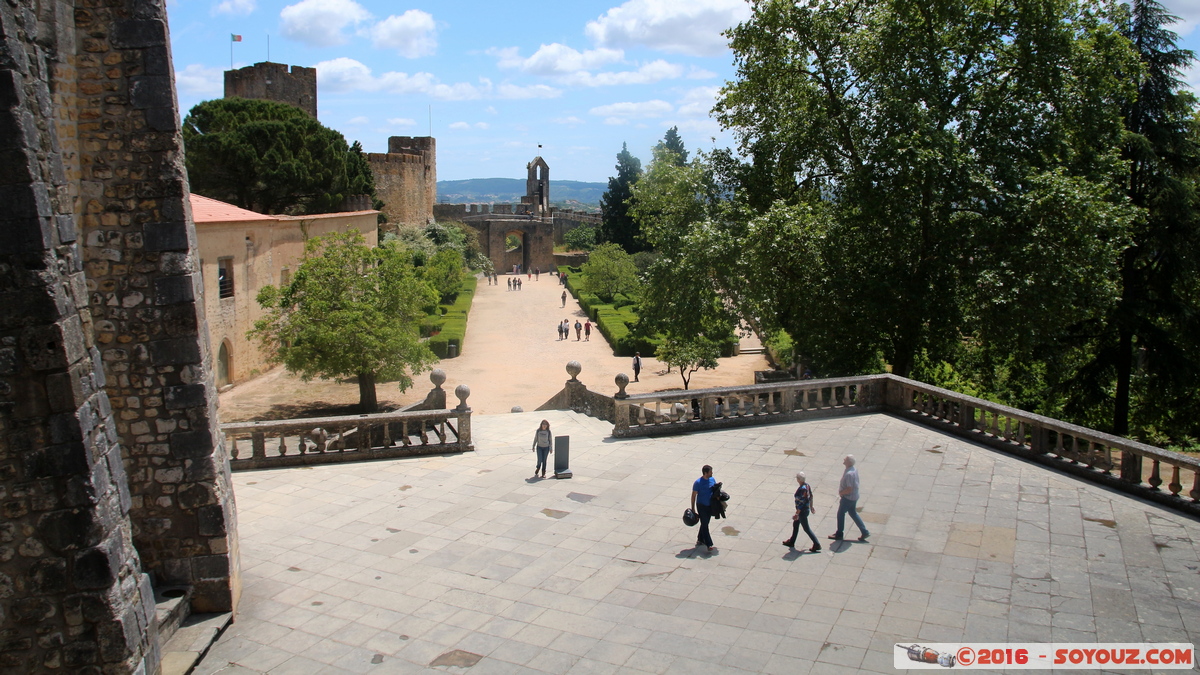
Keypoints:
pixel 185 637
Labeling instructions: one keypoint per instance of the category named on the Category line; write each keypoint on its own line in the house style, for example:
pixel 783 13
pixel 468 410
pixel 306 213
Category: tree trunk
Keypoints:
pixel 1120 424
pixel 367 402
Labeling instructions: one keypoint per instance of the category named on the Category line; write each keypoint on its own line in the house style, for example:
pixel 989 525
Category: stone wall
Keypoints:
pixel 102 346
pixel 566 220
pixel 406 179
pixel 274 82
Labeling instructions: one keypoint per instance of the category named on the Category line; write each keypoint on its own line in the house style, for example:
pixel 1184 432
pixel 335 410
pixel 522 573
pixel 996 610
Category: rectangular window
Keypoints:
pixel 225 276
pixel 285 277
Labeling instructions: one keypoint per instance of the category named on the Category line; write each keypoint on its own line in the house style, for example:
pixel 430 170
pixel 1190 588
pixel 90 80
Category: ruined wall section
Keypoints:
pixel 144 298
pixel 406 179
pixel 73 597
pixel 274 82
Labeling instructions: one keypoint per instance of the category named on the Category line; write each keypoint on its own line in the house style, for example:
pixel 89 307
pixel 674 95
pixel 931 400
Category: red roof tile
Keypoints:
pixel 206 210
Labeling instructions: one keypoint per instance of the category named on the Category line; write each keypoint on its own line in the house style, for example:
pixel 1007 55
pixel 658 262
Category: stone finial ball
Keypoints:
pixel 517 409
pixel 574 368
pixel 622 380
pixel 437 377
pixel 462 391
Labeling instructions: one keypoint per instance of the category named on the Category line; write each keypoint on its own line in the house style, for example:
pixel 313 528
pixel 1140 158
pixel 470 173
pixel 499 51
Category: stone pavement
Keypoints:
pixel 467 563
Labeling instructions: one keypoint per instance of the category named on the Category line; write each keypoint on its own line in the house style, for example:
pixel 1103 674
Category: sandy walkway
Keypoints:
pixel 512 357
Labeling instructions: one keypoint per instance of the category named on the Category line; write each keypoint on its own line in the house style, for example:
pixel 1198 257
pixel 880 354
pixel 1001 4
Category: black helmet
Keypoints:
pixel 690 518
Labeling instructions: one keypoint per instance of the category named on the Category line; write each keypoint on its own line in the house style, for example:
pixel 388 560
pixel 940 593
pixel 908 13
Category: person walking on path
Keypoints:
pixel 564 299
pixel 702 490
pixel 804 505
pixel 537 273
pixel 541 445
pixel 587 331
pixel 578 330
pixel 637 365
pixel 848 491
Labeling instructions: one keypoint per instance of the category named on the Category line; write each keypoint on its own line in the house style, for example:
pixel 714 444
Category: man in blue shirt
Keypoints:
pixel 702 491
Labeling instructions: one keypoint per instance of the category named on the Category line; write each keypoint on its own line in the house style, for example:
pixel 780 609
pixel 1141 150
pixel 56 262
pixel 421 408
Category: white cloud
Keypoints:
pixel 556 59
pixel 649 73
pixel 320 23
pixel 631 110
pixel 411 34
pixel 235 7
pixel 482 125
pixel 345 74
pixel 460 125
pixel 699 101
pixel 695 73
pixel 491 110
pixel 200 80
pixel 1188 12
pixel 692 27
pixel 360 120
pixel 402 122
pixel 570 121
pixel 615 121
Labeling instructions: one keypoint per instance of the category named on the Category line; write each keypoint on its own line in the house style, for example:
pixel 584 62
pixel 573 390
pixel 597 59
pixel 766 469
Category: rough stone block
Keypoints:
pixel 191 444
pixel 185 396
pixel 66 229
pixel 138 33
pixel 55 460
pixel 175 352
pixel 65 391
pixel 48 575
pixel 162 119
pixel 69 529
pixel 209 567
pixel 96 568
pixel 210 521
pixel 169 236
pixel 173 290
pixel 151 91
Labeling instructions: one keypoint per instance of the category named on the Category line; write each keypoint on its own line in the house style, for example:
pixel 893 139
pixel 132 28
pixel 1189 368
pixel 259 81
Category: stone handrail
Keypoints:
pixel 677 411
pixel 347 438
pixel 1121 463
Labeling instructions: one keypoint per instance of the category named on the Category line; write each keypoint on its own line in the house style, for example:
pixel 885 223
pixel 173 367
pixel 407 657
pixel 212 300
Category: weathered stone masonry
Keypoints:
pixel 406 179
pixel 103 352
pixel 274 82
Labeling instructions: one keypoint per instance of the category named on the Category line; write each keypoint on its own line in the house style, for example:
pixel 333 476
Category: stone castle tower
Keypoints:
pixel 406 179
pixel 114 478
pixel 273 82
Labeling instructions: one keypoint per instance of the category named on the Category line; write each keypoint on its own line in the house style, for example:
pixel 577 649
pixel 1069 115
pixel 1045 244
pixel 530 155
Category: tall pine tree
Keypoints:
pixel 672 143
pixel 616 225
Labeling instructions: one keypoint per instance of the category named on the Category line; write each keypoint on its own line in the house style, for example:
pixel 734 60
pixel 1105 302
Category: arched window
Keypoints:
pixel 224 365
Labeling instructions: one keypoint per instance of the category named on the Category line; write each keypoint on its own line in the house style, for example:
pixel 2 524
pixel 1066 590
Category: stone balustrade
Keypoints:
pixel 672 412
pixel 1118 462
pixel 347 438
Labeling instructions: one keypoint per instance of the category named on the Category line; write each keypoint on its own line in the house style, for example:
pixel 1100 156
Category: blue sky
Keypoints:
pixel 500 78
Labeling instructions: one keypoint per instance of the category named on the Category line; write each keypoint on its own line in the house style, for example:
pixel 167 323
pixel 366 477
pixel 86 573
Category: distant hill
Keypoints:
pixel 510 191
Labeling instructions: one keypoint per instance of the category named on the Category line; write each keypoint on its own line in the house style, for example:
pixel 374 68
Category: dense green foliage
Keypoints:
pixel 673 144
pixel 348 311
pixel 271 158
pixel 444 272
pixel 688 354
pixel 451 320
pixel 995 195
pixel 581 238
pixel 617 226
pixel 609 271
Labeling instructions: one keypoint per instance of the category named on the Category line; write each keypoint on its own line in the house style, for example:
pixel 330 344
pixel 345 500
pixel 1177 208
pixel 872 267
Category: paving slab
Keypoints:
pixel 467 562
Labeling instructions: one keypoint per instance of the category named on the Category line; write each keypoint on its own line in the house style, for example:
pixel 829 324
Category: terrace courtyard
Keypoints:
pixel 464 564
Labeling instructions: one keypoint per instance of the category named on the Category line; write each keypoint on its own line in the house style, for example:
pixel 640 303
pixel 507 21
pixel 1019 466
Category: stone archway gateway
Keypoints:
pixel 515 251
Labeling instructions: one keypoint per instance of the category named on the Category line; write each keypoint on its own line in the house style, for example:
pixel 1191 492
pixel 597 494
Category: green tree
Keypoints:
pixel 689 354
pixel 581 238
pixel 608 271
pixel 271 158
pixel 673 144
pixel 444 272
pixel 921 172
pixel 1158 314
pixel 349 311
pixel 616 225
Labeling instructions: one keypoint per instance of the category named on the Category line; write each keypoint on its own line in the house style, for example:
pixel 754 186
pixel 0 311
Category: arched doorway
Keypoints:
pixel 516 250
pixel 224 365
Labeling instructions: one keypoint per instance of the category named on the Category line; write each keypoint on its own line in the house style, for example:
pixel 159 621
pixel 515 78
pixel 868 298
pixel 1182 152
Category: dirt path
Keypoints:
pixel 511 357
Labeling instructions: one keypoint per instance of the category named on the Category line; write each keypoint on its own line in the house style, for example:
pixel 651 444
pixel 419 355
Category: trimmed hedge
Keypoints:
pixel 453 320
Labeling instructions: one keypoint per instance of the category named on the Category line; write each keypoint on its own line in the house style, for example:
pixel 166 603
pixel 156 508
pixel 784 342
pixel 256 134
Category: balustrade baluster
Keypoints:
pixel 1090 450
pixel 1195 493
pixel 1008 428
pixel 1155 478
pixel 994 429
pixel 1075 456
pixel 387 435
pixel 424 435
pixel 1108 462
pixel 658 412
pixel 258 445
pixel 233 448
pixel 1175 486
pixel 301 445
pixel 363 436
pixel 441 432
pixel 341 440
pixel 1058 444
pixel 404 439
pixel 282 446
pixel 1020 433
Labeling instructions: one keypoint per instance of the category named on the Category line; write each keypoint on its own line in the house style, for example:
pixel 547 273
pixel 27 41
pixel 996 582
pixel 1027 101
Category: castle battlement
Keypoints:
pixel 294 85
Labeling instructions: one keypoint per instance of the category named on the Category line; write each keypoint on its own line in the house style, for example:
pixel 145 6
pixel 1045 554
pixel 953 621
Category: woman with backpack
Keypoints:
pixel 804 504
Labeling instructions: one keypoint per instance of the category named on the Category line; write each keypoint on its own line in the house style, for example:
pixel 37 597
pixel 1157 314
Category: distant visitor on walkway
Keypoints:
pixel 848 491
pixel 564 299
pixel 541 445
pixel 637 365
pixel 587 331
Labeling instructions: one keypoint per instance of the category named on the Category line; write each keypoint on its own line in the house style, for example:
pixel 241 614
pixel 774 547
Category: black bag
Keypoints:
pixel 690 518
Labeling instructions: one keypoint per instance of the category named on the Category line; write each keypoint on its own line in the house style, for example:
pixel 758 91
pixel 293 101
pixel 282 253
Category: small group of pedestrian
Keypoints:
pixel 564 330
pixel 705 489
pixel 514 284
pixel 493 278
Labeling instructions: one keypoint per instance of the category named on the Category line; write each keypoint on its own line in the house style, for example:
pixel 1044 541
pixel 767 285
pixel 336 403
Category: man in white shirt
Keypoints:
pixel 848 491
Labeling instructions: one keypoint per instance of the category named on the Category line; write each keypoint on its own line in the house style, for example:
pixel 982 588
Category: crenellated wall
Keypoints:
pixel 275 82
pixel 406 179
